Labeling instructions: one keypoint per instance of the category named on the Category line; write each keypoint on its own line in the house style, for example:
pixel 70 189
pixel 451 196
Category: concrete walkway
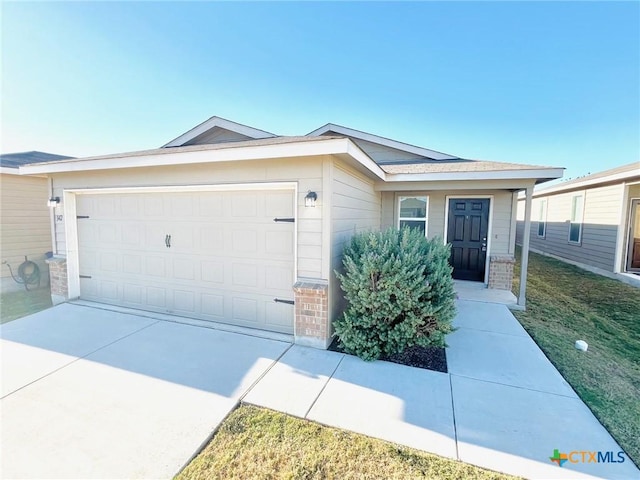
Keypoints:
pixel 502 406
pixel 95 393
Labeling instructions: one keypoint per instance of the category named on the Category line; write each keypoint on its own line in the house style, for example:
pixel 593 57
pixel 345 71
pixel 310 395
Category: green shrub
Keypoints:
pixel 399 291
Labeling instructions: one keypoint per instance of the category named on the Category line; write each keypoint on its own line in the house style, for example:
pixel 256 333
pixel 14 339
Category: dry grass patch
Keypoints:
pixel 258 443
pixel 565 304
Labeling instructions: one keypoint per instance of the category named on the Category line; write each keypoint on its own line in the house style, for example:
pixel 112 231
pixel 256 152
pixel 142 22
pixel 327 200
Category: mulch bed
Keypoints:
pixel 429 358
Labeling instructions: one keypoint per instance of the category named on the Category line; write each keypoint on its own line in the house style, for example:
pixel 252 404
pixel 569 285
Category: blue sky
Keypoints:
pixel 547 83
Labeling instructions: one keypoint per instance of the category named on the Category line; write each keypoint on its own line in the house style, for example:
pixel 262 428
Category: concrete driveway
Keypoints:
pixel 91 393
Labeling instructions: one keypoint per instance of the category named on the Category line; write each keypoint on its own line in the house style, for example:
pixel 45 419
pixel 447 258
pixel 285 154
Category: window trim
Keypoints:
pixel 577 221
pixel 542 217
pixel 425 219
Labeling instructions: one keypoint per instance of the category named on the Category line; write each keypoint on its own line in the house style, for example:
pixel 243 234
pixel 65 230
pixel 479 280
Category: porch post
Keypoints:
pixel 524 264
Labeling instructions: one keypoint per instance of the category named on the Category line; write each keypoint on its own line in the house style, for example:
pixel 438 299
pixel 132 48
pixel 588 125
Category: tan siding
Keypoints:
pixel 24 222
pixel 306 172
pixel 355 207
pixel 599 230
pixel 501 222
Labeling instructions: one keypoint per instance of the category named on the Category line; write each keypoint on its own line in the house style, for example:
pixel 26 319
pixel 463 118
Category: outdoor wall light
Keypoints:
pixel 310 199
pixel 53 202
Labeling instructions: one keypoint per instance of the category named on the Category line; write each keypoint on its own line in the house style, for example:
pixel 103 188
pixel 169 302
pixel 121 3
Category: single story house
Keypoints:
pixel 25 220
pixel 229 223
pixel 592 222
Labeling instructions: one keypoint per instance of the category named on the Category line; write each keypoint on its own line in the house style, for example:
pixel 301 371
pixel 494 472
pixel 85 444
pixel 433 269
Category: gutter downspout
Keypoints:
pixel 524 264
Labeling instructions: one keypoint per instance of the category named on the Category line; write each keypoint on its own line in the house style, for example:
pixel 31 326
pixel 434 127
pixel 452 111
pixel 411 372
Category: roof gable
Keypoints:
pixel 218 130
pixel 382 149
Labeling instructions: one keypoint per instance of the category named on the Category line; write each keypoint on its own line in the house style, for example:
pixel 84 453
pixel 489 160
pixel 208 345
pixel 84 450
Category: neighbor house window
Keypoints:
pixel 542 218
pixel 575 223
pixel 413 213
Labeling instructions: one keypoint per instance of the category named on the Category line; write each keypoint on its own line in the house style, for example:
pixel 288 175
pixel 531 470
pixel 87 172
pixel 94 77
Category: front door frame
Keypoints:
pixel 447 200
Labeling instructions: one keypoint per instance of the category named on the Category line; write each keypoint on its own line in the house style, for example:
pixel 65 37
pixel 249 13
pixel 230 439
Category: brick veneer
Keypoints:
pixel 58 279
pixel 311 326
pixel 501 271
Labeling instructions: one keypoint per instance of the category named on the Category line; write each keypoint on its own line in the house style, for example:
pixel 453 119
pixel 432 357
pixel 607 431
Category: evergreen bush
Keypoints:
pixel 399 291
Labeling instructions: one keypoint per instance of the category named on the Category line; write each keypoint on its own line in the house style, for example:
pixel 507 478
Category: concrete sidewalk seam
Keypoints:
pixel 523 335
pixel 273 364
pixel 576 397
pixel 323 387
pixel 453 413
pixel 77 358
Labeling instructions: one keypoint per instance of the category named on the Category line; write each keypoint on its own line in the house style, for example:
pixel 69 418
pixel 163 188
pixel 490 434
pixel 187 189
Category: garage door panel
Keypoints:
pixel 211 238
pixel 132 263
pixel 211 205
pixel 133 294
pixel 184 268
pixel 212 271
pixel 155 266
pixel 130 206
pixel 109 261
pixel 227 261
pixel 279 205
pixel 153 206
pixel 244 240
pixel 278 242
pixel 244 205
pixel 276 314
pixel 184 302
pixel 245 310
pixel 157 297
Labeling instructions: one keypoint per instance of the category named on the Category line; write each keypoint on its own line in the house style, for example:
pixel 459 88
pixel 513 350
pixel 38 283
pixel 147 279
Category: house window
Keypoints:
pixel 575 223
pixel 542 218
pixel 413 213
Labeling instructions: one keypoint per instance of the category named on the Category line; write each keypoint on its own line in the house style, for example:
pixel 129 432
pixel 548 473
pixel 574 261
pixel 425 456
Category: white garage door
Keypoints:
pixel 217 256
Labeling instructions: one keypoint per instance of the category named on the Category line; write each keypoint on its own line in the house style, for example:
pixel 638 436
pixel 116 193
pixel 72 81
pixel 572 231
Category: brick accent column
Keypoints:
pixel 501 271
pixel 312 327
pixel 58 279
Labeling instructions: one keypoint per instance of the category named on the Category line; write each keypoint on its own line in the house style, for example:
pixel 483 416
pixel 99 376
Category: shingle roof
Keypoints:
pixel 457 165
pixel 14 160
pixel 203 147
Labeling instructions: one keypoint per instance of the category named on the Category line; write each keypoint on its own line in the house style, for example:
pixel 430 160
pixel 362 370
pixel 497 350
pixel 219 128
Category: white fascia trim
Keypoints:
pixel 222 123
pixel 356 152
pixel 333 146
pixel 548 173
pixel 585 183
pixel 10 170
pixel 387 142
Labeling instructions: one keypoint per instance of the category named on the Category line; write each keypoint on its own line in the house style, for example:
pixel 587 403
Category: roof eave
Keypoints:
pixel 539 175
pixel 577 185
pixel 334 146
pixel 387 142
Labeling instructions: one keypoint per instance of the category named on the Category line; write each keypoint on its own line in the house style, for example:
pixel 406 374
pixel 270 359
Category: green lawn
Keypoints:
pixel 565 304
pixel 258 443
pixel 18 304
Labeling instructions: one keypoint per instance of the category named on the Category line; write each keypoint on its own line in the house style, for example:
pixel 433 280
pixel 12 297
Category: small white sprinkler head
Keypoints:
pixel 582 345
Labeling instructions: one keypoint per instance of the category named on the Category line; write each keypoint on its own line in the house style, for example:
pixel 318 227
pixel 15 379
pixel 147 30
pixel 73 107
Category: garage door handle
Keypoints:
pixel 167 241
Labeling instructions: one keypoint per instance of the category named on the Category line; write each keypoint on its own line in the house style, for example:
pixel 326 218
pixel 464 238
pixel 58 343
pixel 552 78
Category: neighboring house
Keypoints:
pixel 25 220
pixel 229 223
pixel 592 222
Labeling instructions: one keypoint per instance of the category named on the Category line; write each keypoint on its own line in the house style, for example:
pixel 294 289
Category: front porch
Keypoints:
pixel 478 292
